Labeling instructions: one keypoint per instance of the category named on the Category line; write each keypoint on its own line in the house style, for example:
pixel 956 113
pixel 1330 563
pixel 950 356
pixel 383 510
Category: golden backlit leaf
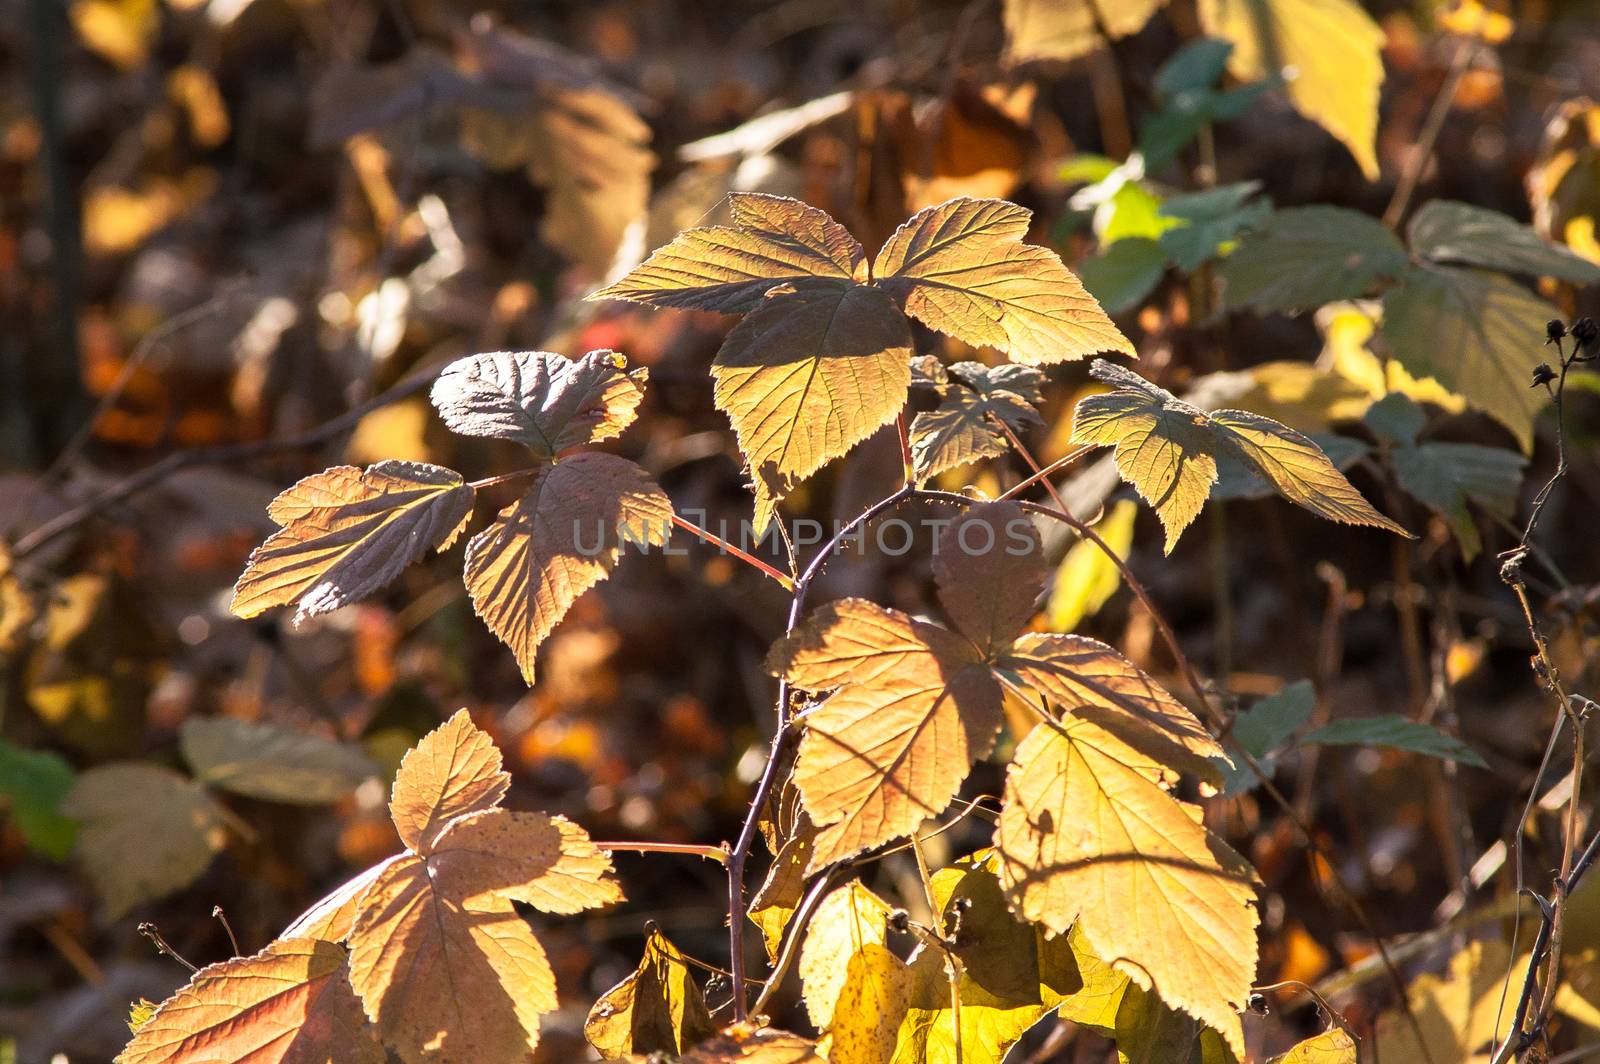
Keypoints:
pixel 1564 182
pixel 563 536
pixel 1332 1046
pixel 872 1003
pixel 1088 679
pixel 1066 29
pixel 146 831
pixel 454 770
pixel 847 921
pixel 117 218
pixel 780 893
pixel 812 371
pixel 347 532
pixel 774 240
pixel 1329 51
pixel 988 566
pixel 961 268
pixel 267 761
pixel 1168 450
pixel 659 1008
pixel 1346 330
pixel 332 916
pixel 892 747
pixel 1088 836
pixel 1459 1013
pixel 1086 579
pixel 749 1043
pixel 975 401
pixel 288 1004
pixel 544 401
pixel 445 967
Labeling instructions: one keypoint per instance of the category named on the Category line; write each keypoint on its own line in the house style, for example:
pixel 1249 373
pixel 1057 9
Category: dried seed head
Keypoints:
pixel 1542 374
pixel 1585 331
pixel 1554 330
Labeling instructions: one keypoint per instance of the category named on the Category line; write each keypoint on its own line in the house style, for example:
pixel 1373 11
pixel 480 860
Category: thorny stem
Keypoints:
pixel 710 853
pixel 782 740
pixel 906 460
pixel 1546 951
pixel 1038 475
pixel 717 541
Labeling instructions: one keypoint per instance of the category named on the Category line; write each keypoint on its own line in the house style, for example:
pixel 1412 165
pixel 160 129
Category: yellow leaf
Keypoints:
pixel 1329 51
pixel 658 1008
pixel 1088 836
pixel 1332 1046
pixel 332 917
pixel 1088 679
pixel 147 831
pixel 975 402
pixel 774 240
pixel 1306 397
pixel 1459 1013
pixel 747 1043
pixel 1086 578
pixel 1066 29
pixel 544 401
pixel 1346 330
pixel 290 1003
pixel 563 536
pixel 780 893
pixel 271 762
pixel 1168 450
pixel 1147 1032
pixel 118 219
pixel 848 920
pixel 866 1018
pixel 809 373
pixel 348 532
pixel 961 268
pixel 453 771
pixel 1564 182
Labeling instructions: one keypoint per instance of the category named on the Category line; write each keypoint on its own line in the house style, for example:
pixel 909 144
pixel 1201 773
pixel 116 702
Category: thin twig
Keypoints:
pixel 721 544
pixel 1422 151
pixel 217 913
pixel 148 930
pixel 710 853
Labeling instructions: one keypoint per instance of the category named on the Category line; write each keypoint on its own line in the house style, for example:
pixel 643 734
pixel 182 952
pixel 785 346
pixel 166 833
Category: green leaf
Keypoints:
pixel 1131 212
pixel 1396 418
pixel 1197 65
pixel 1397 733
pixel 1445 476
pixel 1125 273
pixel 1265 727
pixel 271 762
pixel 1304 257
pixel 1447 231
pixel 1479 334
pixel 1211 219
pixel 36 782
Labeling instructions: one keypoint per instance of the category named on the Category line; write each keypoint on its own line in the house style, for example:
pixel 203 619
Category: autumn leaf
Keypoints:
pixel 348 532
pixel 544 401
pixel 1067 29
pixel 332 917
pixel 146 831
pixel 563 536
pixel 1329 51
pixel 261 760
pixel 961 268
pixel 288 1004
pixel 774 241
pixel 747 1043
pixel 976 402
pixel 445 966
pixel 1086 579
pixel 658 1008
pixel 1333 1046
pixel 1459 1013
pixel 867 1016
pixel 1564 182
pixel 1168 450
pixel 1087 835
pixel 811 372
pixel 847 921
pixel 914 704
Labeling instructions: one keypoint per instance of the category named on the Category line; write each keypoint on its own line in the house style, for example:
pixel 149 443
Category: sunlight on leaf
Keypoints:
pixel 1459 1012
pixel 1087 835
pixel 455 770
pixel 1564 182
pixel 1086 578
pixel 847 921
pixel 563 536
pixel 974 401
pixel 658 1008
pixel 545 402
pixel 1066 29
pixel 348 532
pixel 290 1003
pixel 1332 1046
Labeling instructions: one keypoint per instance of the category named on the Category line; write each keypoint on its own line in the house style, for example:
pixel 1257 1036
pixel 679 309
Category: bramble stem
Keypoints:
pixel 1039 474
pixel 710 853
pixel 745 556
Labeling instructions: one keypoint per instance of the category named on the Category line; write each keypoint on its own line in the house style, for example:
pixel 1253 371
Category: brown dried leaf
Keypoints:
pixel 348 532
pixel 453 771
pixel 147 831
pixel 961 268
pixel 775 240
pixel 563 536
pixel 544 401
pixel 289 1004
